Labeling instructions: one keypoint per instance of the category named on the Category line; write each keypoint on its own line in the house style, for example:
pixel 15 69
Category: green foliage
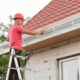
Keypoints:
pixel 22 61
pixel 4 59
pixel 2 38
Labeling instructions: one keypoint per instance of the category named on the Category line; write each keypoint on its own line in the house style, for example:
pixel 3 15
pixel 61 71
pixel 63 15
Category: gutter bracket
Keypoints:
pixel 37 35
pixel 75 25
pixel 55 31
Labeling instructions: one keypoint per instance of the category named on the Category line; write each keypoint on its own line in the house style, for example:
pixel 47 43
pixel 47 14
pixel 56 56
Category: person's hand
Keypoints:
pixel 42 31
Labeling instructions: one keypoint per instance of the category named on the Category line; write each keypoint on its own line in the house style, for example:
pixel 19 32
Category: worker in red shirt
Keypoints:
pixel 15 39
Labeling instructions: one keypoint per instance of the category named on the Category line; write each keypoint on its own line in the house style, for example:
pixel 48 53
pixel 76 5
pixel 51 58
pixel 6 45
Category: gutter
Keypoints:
pixel 51 32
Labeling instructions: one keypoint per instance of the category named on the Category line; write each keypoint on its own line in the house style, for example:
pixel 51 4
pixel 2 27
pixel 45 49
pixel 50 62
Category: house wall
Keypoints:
pixel 44 61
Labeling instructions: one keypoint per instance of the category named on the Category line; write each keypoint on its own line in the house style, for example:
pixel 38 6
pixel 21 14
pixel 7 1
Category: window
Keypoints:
pixel 69 69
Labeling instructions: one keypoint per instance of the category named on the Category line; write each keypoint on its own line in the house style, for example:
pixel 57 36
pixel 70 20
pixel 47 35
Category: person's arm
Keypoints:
pixel 7 39
pixel 25 31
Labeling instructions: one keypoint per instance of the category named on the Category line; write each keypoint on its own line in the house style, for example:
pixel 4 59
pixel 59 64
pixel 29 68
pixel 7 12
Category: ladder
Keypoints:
pixel 17 66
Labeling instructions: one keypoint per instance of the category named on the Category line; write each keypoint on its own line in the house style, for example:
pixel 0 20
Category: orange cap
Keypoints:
pixel 19 15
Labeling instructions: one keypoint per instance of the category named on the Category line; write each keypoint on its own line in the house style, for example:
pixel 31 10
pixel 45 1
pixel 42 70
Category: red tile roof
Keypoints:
pixel 55 11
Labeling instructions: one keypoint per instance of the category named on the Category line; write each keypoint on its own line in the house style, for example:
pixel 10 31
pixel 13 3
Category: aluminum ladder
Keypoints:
pixel 17 66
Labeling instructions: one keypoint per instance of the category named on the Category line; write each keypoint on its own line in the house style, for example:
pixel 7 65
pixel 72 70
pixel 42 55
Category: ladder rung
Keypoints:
pixel 13 68
pixel 22 57
pixel 21 68
pixel 25 68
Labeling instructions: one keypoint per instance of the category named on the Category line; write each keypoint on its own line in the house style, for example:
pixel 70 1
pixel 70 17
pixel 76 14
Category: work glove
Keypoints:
pixel 42 31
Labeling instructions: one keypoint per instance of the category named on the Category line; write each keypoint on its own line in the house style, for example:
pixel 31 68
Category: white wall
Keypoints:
pixel 44 61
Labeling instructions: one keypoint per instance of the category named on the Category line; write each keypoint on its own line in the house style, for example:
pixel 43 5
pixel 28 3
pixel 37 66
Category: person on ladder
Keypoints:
pixel 15 40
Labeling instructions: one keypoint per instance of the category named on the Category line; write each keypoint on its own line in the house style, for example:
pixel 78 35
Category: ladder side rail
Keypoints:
pixel 9 66
pixel 31 70
pixel 26 61
pixel 17 66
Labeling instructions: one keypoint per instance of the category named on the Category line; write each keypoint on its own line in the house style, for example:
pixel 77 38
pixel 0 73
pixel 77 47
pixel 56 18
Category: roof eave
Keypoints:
pixel 51 38
pixel 54 33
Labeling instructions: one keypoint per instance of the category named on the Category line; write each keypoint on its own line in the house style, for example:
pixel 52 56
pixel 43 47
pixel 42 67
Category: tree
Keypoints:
pixel 4 59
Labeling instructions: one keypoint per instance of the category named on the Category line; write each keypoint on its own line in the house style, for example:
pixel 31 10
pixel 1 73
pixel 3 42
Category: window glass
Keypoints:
pixel 70 70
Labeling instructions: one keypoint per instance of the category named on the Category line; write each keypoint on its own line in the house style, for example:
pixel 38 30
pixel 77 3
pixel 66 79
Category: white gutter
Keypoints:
pixel 52 32
pixel 49 33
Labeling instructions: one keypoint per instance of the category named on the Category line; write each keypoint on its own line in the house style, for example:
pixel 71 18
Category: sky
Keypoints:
pixel 28 8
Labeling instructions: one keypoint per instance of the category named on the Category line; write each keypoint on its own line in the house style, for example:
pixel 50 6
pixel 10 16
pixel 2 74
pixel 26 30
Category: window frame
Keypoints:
pixel 67 59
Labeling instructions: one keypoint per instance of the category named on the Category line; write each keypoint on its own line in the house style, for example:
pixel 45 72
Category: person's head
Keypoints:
pixel 18 19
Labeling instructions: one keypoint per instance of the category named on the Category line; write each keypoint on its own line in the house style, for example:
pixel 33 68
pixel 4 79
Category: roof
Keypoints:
pixel 55 11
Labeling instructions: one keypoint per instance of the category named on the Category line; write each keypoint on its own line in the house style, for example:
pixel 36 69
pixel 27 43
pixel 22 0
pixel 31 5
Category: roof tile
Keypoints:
pixel 55 11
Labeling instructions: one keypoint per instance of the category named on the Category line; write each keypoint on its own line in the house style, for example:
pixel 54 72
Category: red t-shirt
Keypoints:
pixel 15 37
